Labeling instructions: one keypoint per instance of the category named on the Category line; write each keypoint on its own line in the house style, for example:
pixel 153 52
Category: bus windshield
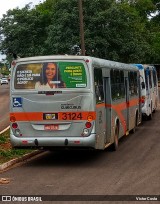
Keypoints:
pixel 50 75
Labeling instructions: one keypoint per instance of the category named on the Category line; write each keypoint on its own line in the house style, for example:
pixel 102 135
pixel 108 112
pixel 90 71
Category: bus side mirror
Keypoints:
pixel 143 85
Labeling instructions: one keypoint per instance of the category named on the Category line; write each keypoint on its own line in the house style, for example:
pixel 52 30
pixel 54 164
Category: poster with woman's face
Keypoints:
pixel 50 75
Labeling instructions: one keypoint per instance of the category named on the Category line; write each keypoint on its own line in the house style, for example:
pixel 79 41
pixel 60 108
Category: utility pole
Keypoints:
pixel 81 27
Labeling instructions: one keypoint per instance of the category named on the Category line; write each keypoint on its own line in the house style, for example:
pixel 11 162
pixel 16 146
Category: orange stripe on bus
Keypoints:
pixel 23 116
pixel 100 105
pixel 119 108
pixel 134 102
pixel 38 116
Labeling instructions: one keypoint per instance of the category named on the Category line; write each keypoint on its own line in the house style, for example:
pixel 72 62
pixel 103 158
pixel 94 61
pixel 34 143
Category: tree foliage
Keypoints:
pixel 120 30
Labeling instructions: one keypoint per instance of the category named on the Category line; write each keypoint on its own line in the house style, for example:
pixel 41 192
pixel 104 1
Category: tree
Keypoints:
pixel 116 32
pixel 24 31
pixel 120 30
pixel 63 32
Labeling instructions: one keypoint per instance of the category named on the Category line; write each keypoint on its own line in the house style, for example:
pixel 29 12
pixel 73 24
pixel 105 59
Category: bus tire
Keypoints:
pixel 150 116
pixel 116 138
pixel 135 124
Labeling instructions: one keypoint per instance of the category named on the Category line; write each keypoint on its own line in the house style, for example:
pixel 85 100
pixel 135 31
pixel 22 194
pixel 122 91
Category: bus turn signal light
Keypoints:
pixel 90 118
pixel 12 119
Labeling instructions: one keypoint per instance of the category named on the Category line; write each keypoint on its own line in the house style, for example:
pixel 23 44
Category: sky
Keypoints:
pixel 11 4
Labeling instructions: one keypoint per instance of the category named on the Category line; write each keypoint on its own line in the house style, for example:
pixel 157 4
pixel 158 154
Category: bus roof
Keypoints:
pixel 145 66
pixel 96 61
pixel 140 66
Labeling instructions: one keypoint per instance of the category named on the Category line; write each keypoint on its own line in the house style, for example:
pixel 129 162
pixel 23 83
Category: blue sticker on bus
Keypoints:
pixel 17 102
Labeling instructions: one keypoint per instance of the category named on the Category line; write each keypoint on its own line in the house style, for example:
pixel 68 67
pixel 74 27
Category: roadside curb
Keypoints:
pixel 4 130
pixel 19 159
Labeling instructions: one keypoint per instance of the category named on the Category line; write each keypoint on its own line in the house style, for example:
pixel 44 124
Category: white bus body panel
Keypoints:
pixel 149 93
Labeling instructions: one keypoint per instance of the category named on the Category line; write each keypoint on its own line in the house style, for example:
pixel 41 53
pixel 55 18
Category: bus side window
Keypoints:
pixel 150 80
pixel 146 79
pixel 114 87
pixel 98 82
pixel 133 83
pixel 117 84
pixel 154 78
pixel 121 85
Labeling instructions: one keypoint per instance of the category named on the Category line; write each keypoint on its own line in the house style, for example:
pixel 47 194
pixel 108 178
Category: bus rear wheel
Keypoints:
pixel 135 124
pixel 116 138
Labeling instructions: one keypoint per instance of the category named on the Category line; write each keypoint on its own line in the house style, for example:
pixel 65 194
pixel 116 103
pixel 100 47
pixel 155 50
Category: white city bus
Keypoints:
pixel 72 101
pixel 149 89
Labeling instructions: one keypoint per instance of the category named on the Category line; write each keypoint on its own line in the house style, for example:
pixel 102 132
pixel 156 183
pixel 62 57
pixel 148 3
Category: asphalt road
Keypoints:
pixel 4 106
pixel 132 170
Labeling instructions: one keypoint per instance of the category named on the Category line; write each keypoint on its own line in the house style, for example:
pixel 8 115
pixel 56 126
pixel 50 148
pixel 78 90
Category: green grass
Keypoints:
pixel 6 151
pixel 3 139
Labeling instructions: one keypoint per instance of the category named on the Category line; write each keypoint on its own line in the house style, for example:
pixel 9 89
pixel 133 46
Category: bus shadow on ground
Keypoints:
pixel 66 158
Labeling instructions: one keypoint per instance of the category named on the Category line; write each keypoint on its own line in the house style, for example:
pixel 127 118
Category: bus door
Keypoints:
pixel 151 84
pixel 133 102
pixel 119 108
pixel 108 110
pixel 153 88
pixel 127 103
pixel 100 108
pixel 148 90
pixel 155 83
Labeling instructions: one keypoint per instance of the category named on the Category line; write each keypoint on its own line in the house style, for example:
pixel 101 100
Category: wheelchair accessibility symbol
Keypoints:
pixel 17 102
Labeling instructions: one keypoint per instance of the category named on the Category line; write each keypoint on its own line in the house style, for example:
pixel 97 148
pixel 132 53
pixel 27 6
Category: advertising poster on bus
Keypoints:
pixel 50 75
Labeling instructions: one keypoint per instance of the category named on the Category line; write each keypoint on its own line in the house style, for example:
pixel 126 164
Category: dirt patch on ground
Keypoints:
pixel 6 146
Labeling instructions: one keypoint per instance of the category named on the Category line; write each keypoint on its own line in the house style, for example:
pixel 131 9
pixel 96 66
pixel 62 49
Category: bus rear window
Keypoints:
pixel 50 75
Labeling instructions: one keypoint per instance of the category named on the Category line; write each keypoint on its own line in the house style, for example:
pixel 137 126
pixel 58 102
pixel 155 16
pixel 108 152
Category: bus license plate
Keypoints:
pixel 51 127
